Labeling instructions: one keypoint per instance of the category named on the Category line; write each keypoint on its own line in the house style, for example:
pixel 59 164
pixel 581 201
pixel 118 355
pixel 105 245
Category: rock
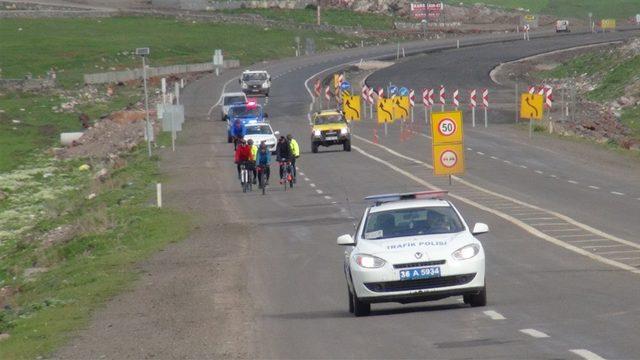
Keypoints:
pixel 3 195
pixel 91 196
pixel 84 167
pixel 102 175
pixel 30 273
pixel 4 336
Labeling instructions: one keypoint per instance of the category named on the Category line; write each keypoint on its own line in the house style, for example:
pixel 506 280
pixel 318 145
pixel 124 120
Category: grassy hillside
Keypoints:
pixel 619 9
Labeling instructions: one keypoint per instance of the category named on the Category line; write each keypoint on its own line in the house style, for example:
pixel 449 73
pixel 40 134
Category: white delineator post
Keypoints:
pixel 412 102
pixel 442 97
pixel 163 82
pixel 327 94
pixel 548 103
pixel 485 105
pixel 456 99
pixel 159 195
pixel 365 99
pixel 472 105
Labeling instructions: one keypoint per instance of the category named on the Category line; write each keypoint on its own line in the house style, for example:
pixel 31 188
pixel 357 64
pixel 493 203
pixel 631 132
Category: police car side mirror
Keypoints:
pixel 277 133
pixel 346 239
pixel 480 228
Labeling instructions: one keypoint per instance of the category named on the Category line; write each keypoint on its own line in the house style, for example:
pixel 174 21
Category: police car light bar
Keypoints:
pixel 380 199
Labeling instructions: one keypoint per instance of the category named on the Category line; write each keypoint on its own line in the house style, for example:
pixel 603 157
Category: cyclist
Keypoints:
pixel 242 155
pixel 283 152
pixel 264 160
pixel 238 131
pixel 295 153
pixel 254 152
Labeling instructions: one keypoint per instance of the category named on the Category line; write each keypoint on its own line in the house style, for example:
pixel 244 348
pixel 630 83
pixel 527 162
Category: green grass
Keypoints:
pixel 631 118
pixel 329 16
pixel 121 229
pixel 95 45
pixel 615 81
pixel 619 9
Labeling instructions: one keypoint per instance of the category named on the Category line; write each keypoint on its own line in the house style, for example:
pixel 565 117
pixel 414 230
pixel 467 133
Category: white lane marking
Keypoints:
pixel 513 220
pixel 539 172
pixel 633 258
pixel 301 173
pixel 617 193
pixel 312 185
pixel 538 218
pixel 319 191
pixel 479 153
pixel 506 161
pixel 307 179
pixel 334 202
pixel 494 158
pixel 327 197
pixel 524 166
pixel 535 333
pixel 494 315
pixel 548 224
pixel 470 149
pixel 586 354
pixel 224 87
pixel 572 182
pixel 562 230
pixel 573 235
pixel 601 246
pixel 619 252
pixel 586 241
pixel 553 176
pixel 594 187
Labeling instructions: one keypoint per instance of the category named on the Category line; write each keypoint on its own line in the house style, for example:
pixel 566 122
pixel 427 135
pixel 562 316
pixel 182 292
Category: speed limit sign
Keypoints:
pixel 446 127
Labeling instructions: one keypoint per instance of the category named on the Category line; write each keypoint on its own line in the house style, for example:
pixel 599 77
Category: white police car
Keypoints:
pixel 261 131
pixel 413 247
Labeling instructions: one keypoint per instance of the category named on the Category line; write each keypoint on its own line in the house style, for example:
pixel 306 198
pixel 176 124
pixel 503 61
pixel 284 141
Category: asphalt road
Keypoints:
pixel 284 295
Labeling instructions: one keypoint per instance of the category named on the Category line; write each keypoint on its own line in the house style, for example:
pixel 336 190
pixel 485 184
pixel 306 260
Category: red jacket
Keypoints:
pixel 243 153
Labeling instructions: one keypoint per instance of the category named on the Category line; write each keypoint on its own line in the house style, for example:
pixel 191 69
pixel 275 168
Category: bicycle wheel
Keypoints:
pixel 261 181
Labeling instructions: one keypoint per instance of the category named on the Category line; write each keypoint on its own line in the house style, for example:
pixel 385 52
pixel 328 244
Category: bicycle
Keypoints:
pixel 245 177
pixel 287 174
pixel 262 183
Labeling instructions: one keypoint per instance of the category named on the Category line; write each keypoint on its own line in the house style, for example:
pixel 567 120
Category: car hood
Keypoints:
pixel 255 82
pixel 431 247
pixel 325 127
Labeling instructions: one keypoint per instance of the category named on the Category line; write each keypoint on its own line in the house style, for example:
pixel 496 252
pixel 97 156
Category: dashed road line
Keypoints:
pixel 494 158
pixel 619 252
pixel 627 259
pixel 573 235
pixel 601 246
pixel 479 153
pixel 586 354
pixel 327 197
pixel 539 172
pixel 307 179
pixel 312 185
pixel 524 166
pixel 534 333
pixel 617 193
pixel 593 187
pixel 587 240
pixel 319 191
pixel 572 182
pixel 538 218
pixel 494 315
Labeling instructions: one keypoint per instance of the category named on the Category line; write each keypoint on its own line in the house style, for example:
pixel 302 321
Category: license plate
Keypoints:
pixel 331 138
pixel 420 273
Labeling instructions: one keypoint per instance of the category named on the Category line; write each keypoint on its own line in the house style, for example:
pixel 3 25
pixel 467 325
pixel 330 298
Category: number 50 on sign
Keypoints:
pixel 446 127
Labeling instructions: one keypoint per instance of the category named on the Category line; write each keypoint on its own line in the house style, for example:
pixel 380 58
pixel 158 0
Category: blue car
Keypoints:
pixel 243 114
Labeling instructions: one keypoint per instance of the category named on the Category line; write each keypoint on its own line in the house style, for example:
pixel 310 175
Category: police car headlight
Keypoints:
pixel 244 85
pixel 344 131
pixel 466 252
pixel 316 133
pixel 369 261
pixel 265 84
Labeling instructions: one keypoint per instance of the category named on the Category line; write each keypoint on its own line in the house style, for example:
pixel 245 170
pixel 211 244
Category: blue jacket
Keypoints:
pixel 264 158
pixel 238 129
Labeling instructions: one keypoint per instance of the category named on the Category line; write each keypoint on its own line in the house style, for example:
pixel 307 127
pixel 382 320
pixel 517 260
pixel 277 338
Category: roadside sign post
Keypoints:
pixel 384 112
pixel 143 53
pixel 473 104
pixel 516 97
pixel 448 143
pixel 532 108
pixel 456 99
pixel 485 105
pixel 163 82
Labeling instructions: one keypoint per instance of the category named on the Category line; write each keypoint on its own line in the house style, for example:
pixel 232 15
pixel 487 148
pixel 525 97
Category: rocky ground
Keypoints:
pixel 599 121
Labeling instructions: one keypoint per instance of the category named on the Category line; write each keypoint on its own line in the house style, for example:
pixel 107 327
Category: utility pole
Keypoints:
pixel 318 12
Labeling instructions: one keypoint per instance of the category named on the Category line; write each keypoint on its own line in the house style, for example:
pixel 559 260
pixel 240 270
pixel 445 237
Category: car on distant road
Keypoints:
pixel 562 26
pixel 329 127
pixel 413 247
pixel 255 82
pixel 231 98
pixel 250 112
pixel 259 132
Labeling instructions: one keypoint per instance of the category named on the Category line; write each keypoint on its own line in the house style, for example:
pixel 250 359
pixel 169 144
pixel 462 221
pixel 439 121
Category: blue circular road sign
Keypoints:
pixel 404 91
pixel 345 85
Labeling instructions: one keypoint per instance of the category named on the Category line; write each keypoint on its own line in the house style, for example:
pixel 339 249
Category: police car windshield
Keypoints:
pixel 254 76
pixel 243 111
pixel 259 130
pixel 233 100
pixel 329 119
pixel 411 222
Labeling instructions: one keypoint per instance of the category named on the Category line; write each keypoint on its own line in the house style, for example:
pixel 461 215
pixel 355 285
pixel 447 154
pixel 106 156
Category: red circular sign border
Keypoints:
pixel 455 127
pixel 454 153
